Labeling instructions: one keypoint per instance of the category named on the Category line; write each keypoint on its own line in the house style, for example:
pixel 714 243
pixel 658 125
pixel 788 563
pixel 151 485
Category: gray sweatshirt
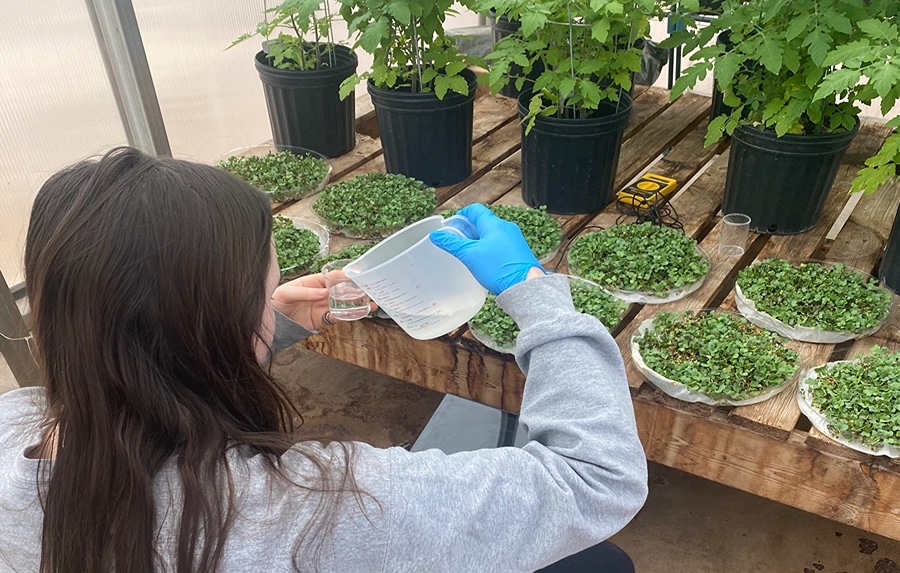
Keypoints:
pixel 580 479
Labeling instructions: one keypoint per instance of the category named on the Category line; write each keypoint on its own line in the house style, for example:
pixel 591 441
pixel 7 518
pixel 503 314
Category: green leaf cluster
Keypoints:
pixel 882 166
pixel 303 35
pixel 861 400
pixel 374 204
pixel 638 257
pixel 588 299
pixel 282 176
pixel 799 66
pixel 717 354
pixel 296 248
pixel 353 251
pixel 410 48
pixel 587 49
pixel 542 232
pixel 834 299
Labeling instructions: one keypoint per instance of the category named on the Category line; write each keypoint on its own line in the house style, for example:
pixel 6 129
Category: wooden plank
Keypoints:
pixel 859 494
pixel 819 441
pixel 491 186
pixel 860 242
pixel 436 364
pixel 652 102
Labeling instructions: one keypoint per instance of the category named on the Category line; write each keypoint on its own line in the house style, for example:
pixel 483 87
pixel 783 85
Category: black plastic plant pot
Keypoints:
pixel 424 137
pixel 304 107
pixel 889 271
pixel 500 28
pixel 569 165
pixel 782 182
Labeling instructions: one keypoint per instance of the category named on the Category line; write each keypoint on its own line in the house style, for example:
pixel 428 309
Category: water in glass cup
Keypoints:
pixel 346 301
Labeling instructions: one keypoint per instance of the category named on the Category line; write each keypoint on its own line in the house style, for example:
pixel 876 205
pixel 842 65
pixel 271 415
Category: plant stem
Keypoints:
pixel 318 41
pixel 299 35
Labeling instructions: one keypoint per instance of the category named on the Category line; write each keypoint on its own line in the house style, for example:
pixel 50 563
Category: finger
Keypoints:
pixel 448 241
pixel 289 293
pixel 475 212
pixel 314 281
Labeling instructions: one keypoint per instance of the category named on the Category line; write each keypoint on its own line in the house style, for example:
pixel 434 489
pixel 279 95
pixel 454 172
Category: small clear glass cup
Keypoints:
pixel 733 238
pixel 346 301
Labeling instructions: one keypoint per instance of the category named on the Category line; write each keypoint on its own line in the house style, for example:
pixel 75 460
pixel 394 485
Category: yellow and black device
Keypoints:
pixel 647 190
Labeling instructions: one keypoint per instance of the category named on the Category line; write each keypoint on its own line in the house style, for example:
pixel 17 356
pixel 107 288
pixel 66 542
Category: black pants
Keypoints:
pixel 602 558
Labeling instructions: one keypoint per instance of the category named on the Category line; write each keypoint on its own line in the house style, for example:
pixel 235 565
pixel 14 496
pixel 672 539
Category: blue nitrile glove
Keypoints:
pixel 499 258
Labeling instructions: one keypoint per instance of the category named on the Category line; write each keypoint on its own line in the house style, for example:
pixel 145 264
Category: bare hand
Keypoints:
pixel 304 300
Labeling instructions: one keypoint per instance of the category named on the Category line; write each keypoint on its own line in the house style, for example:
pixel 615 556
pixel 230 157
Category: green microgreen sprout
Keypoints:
pixel 353 251
pixel 542 232
pixel 812 295
pixel 296 247
pixel 493 321
pixel 638 257
pixel 861 399
pixel 717 354
pixel 283 176
pixel 374 204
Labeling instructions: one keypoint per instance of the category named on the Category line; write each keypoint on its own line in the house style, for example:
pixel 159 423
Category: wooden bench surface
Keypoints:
pixel 769 448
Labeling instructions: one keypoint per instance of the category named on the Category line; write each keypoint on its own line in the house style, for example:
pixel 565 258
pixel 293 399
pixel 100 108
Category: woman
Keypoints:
pixel 161 443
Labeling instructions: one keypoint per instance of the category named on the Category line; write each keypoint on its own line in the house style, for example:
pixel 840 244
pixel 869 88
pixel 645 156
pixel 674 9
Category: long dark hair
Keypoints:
pixel 146 279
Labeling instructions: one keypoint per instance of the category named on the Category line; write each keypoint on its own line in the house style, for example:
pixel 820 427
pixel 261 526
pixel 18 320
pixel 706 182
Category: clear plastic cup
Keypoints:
pixel 425 290
pixel 346 301
pixel 733 238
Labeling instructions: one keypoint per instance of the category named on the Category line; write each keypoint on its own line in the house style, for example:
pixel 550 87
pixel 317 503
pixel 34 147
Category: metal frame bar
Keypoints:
pixel 119 40
pixel 16 352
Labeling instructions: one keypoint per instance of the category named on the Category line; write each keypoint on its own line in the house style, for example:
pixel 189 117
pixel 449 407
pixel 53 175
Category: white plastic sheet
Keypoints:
pixel 643 297
pixel 748 309
pixel 680 391
pixel 820 422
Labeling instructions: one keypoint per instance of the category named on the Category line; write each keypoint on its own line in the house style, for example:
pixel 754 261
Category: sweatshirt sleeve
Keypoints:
pixel 580 479
pixel 287 333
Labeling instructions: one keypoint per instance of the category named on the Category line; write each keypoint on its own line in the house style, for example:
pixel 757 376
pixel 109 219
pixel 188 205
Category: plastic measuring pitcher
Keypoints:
pixel 426 290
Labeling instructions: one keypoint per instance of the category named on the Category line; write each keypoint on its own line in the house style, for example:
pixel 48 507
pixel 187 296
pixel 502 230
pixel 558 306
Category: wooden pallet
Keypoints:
pixel 767 449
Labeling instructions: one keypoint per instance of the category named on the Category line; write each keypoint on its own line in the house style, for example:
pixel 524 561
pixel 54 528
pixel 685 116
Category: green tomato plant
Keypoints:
pixel 861 399
pixel 717 354
pixel 283 176
pixel 638 257
pixel 542 232
pixel 812 295
pixel 493 321
pixel 303 33
pixel 587 49
pixel 410 48
pixel 374 204
pixel 801 67
pixel 296 248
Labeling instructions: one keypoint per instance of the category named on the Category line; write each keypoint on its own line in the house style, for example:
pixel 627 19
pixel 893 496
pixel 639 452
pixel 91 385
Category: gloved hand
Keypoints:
pixel 499 258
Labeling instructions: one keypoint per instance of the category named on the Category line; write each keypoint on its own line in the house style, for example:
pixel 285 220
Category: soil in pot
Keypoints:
pixel 782 182
pixel 569 164
pixel 304 107
pixel 424 137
